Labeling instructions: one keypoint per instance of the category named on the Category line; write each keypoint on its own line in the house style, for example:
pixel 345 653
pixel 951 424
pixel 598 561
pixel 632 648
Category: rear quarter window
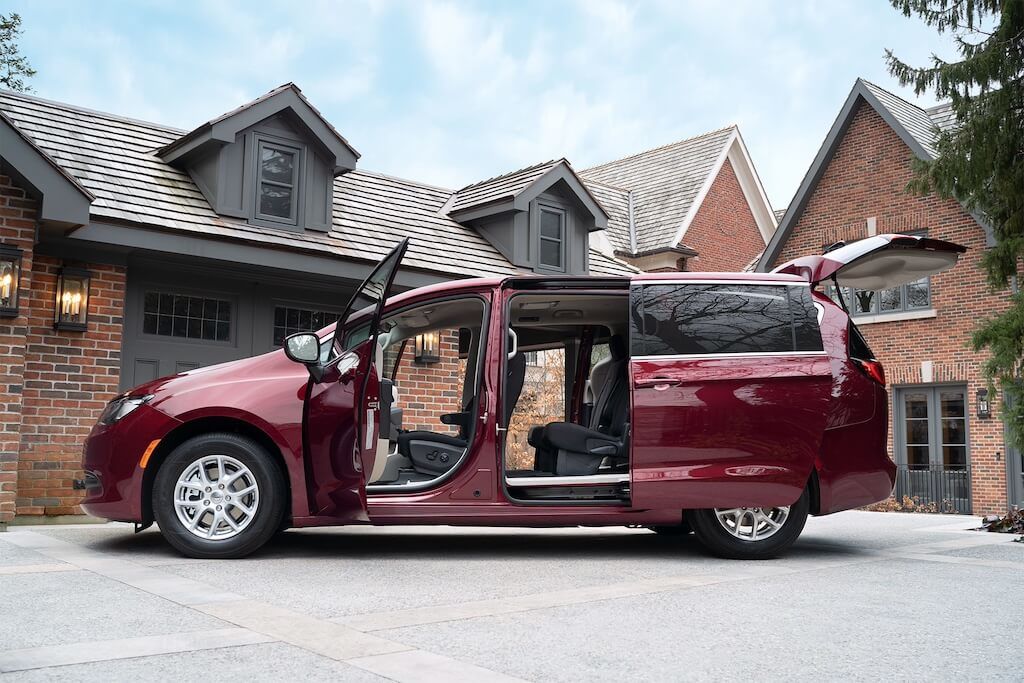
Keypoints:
pixel 697 319
pixel 859 348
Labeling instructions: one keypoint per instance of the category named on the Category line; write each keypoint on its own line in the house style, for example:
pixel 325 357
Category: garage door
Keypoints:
pixel 181 320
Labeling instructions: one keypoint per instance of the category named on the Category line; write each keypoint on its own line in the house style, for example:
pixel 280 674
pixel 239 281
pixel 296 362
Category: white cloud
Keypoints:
pixel 450 92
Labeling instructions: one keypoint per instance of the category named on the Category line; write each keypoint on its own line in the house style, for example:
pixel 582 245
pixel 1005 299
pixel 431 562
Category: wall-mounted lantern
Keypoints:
pixel 427 348
pixel 984 407
pixel 72 305
pixel 10 278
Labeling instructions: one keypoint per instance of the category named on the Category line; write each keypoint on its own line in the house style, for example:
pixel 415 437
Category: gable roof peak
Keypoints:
pixel 665 147
pixel 285 97
pixel 915 126
pixel 542 166
pixel 669 184
pixel 514 190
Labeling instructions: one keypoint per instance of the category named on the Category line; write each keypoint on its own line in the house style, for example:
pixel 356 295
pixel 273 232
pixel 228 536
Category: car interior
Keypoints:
pixel 575 450
pixel 583 454
pixel 421 457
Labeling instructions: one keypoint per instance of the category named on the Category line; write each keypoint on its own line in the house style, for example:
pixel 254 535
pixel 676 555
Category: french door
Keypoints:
pixel 1014 473
pixel 930 427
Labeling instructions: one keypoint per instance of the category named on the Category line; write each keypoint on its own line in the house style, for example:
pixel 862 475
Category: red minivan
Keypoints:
pixel 731 405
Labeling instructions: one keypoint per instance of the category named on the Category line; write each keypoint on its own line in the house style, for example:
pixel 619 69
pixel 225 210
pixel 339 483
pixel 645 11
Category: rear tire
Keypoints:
pixel 219 496
pixel 750 533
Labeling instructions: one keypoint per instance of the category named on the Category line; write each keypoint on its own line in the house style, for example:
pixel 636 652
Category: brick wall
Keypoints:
pixel 724 232
pixel 54 383
pixel 426 392
pixel 17 229
pixel 69 377
pixel 866 178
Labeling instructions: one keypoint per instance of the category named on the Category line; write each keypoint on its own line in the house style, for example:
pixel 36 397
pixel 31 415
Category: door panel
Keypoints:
pixel 342 421
pixel 334 460
pixel 726 431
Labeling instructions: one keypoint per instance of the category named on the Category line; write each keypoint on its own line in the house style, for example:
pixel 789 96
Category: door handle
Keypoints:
pixel 659 383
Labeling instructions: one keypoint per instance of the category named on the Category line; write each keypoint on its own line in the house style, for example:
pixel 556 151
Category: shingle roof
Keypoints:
pixel 914 119
pixel 115 159
pixel 505 186
pixel 616 203
pixel 943 116
pixel 279 90
pixel 665 183
pixel 601 264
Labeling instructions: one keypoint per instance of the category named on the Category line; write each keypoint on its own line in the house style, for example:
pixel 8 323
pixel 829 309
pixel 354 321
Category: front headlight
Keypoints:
pixel 121 406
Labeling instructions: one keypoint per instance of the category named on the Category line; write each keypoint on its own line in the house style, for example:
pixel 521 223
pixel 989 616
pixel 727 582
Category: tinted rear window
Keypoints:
pixel 722 318
pixel 858 346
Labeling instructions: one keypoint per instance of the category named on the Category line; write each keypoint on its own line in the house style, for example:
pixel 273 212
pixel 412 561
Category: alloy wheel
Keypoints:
pixel 752 524
pixel 216 497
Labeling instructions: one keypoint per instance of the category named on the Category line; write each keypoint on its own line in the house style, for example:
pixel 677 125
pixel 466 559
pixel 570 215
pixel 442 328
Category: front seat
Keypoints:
pixel 569 449
pixel 437 453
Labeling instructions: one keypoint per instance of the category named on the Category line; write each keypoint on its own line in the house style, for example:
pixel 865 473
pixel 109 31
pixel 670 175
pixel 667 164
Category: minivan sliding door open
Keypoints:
pixel 566 398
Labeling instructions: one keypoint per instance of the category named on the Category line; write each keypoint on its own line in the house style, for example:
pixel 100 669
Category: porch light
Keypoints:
pixel 427 348
pixel 72 306
pixel 984 407
pixel 10 272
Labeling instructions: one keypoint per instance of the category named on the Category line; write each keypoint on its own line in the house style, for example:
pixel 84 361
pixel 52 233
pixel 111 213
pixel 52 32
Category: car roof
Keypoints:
pixel 480 284
pixel 534 281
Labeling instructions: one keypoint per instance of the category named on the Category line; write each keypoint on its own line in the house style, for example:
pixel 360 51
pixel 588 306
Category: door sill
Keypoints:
pixel 582 480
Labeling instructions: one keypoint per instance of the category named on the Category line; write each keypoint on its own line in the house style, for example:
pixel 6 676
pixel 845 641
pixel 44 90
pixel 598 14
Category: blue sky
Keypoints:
pixel 452 92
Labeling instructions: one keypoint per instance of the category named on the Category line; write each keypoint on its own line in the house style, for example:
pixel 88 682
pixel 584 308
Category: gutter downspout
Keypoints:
pixel 632 224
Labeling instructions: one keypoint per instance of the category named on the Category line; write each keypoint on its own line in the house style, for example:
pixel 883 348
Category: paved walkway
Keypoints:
pixel 861 596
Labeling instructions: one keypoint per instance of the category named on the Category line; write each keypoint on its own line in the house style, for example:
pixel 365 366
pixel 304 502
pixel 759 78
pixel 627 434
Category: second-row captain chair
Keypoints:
pixel 569 449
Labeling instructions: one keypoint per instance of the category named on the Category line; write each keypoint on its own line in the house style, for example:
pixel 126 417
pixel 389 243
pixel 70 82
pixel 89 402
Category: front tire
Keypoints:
pixel 218 496
pixel 750 533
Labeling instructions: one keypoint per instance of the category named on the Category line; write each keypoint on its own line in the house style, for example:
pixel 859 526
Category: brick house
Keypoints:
pixel 950 448
pixel 697 205
pixel 131 250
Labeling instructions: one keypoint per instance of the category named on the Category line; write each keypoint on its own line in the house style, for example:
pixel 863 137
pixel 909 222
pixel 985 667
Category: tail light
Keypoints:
pixel 871 368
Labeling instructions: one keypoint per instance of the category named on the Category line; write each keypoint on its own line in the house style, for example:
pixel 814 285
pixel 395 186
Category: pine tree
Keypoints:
pixel 14 68
pixel 980 161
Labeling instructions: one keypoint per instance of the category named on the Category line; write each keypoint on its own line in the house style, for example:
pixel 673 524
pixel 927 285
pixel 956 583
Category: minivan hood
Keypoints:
pixel 269 364
pixel 878 262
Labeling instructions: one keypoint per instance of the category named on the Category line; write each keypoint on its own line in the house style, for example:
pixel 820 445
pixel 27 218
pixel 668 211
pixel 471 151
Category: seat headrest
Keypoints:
pixel 617 347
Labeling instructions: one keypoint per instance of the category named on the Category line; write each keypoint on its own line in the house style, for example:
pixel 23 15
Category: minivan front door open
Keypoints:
pixel 341 414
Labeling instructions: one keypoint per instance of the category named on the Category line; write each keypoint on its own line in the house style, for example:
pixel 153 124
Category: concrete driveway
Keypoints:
pixel 861 596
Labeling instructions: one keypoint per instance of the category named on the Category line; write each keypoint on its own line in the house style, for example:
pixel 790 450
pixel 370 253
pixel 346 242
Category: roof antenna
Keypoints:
pixel 834 246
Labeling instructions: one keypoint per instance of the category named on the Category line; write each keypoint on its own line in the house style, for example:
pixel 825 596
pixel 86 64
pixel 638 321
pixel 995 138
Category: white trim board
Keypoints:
pixel 736 152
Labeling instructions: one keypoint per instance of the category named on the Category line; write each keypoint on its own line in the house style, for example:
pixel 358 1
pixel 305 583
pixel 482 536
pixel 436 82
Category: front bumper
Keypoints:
pixel 114 477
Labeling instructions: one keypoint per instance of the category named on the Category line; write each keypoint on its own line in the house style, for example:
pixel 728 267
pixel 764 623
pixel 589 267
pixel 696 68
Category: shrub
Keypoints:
pixel 912 504
pixel 1010 523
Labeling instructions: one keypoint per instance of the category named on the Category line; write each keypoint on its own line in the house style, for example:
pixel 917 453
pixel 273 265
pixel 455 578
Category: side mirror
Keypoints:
pixel 303 347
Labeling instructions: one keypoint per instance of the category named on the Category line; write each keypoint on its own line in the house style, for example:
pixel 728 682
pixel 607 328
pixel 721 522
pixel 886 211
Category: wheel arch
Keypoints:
pixel 210 425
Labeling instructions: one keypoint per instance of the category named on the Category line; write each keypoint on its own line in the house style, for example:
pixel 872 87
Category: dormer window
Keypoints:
pixel 552 238
pixel 278 174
